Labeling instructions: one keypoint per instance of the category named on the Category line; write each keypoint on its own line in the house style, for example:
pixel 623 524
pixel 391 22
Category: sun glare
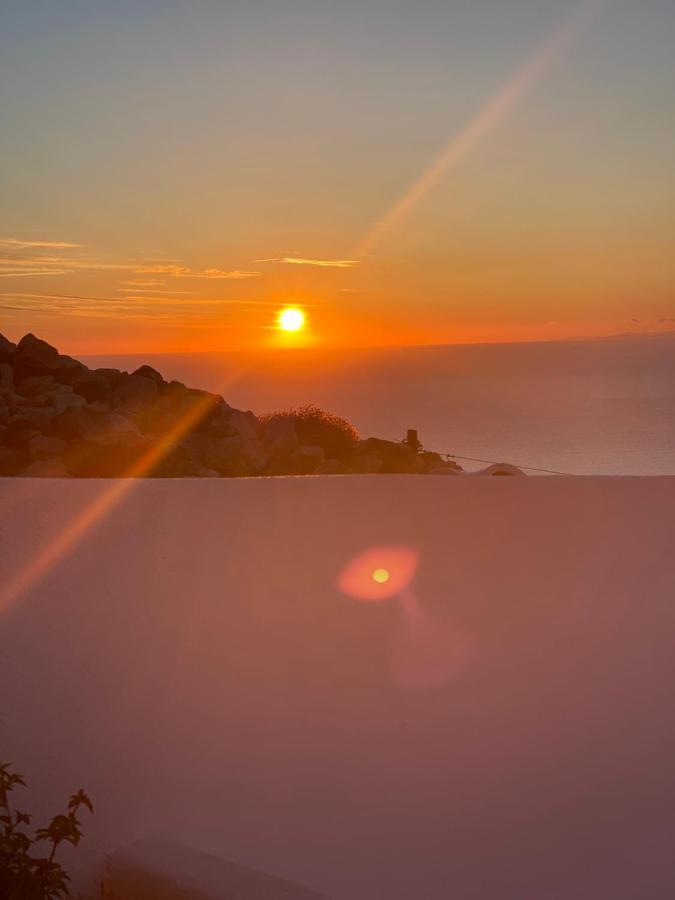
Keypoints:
pixel 291 319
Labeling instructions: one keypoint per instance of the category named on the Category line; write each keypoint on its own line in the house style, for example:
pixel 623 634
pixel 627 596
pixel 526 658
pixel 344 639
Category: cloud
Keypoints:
pixel 20 244
pixel 23 273
pixel 322 263
pixel 184 272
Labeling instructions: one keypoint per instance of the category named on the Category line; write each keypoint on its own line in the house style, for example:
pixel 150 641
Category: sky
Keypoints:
pixel 437 171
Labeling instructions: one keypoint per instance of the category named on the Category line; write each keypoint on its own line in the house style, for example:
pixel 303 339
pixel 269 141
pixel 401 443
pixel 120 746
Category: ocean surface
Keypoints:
pixel 579 407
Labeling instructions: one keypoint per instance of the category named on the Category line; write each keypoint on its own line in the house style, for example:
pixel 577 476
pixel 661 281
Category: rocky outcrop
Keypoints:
pixel 59 418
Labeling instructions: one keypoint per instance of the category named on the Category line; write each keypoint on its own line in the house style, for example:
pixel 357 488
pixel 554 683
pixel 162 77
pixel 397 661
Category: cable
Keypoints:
pixel 493 462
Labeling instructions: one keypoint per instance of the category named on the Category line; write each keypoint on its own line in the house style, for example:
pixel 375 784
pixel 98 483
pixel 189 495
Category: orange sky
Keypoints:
pixel 477 178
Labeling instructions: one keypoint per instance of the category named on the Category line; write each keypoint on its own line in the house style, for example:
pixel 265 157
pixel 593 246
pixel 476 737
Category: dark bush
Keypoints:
pixel 24 875
pixel 314 426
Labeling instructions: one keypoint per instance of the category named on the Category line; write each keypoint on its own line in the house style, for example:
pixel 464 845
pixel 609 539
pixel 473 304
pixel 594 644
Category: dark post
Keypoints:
pixel 412 440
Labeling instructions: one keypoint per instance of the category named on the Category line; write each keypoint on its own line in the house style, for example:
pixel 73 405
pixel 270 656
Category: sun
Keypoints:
pixel 291 319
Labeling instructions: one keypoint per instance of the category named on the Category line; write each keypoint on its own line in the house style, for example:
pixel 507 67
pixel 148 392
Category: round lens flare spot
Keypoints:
pixel 291 319
pixel 379 574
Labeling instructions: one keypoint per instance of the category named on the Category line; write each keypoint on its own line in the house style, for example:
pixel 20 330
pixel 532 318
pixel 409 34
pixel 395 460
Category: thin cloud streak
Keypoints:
pixel 186 272
pixel 321 263
pixel 20 244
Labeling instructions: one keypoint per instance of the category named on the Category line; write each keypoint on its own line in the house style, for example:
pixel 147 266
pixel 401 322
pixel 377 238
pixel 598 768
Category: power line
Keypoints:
pixel 494 462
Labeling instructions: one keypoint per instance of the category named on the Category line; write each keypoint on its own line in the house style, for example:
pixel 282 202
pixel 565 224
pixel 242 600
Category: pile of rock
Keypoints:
pixel 60 419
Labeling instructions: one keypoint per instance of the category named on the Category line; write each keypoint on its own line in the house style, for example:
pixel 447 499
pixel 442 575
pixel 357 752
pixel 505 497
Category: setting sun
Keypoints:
pixel 291 319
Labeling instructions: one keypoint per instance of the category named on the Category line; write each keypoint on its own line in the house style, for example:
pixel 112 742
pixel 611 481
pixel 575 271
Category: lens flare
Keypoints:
pixel 381 576
pixel 486 120
pixel 379 573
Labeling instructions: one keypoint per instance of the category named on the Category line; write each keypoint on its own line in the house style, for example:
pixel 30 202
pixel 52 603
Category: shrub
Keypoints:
pixel 318 428
pixel 23 875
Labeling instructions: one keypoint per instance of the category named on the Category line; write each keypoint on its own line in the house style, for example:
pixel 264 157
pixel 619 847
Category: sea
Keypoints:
pixel 579 407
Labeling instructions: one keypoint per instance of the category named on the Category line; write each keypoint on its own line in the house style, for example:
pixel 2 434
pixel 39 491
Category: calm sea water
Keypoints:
pixel 583 407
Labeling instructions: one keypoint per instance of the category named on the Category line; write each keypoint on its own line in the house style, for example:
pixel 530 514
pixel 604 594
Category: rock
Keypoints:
pixel 152 374
pixel 307 459
pixel 93 387
pixel 39 386
pixel 195 409
pixel 280 438
pixel 65 398
pixel 7 349
pixel 6 375
pixel 243 424
pixel 34 357
pixel 44 445
pixel 333 467
pixel 18 433
pixel 114 430
pixel 38 417
pixel 12 460
pixel 503 469
pixel 113 376
pixel 395 457
pixel 68 370
pixel 444 470
pixel 367 463
pixel 135 392
pixel 235 456
pixel 45 468
pixel 73 422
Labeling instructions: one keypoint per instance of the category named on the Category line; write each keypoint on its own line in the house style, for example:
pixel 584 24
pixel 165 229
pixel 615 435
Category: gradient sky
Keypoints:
pixel 204 157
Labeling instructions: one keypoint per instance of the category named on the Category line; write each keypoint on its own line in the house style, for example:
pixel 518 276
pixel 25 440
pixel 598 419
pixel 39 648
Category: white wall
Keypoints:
pixel 193 665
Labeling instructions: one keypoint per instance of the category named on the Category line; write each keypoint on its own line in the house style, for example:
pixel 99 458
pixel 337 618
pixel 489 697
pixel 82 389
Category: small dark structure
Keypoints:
pixel 412 441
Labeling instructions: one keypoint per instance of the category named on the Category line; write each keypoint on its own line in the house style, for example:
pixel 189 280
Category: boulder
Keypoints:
pixel 395 457
pixel 65 398
pixel 45 468
pixel 68 370
pixel 280 438
pixel 6 375
pixel 333 467
pixel 243 424
pixel 152 374
pixel 367 463
pixel 95 388
pixel 12 460
pixel 34 357
pixel 114 430
pixel 134 392
pixel 38 417
pixel 43 445
pixel 235 456
pixel 7 349
pixel 18 433
pixel 194 409
pixel 72 422
pixel 113 376
pixel 307 459
pixel 443 469
pixel 37 386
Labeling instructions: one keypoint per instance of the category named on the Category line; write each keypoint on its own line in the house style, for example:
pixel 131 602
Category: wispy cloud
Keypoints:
pixel 24 244
pixel 321 263
pixel 173 271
